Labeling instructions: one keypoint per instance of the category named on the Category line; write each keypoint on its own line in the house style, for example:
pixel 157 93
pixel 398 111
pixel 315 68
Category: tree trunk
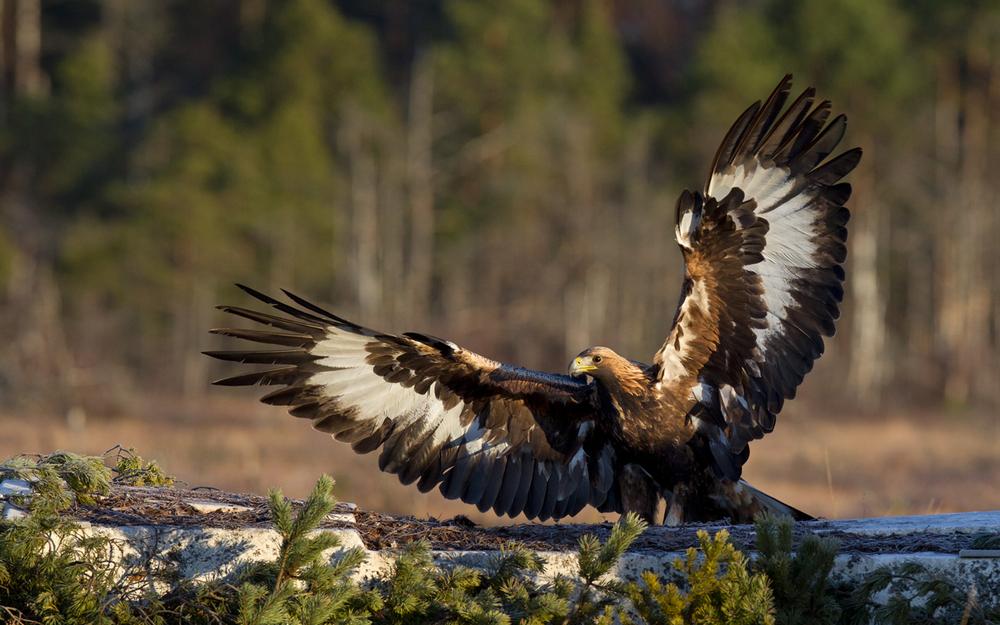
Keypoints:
pixel 364 217
pixel 420 169
pixel 867 366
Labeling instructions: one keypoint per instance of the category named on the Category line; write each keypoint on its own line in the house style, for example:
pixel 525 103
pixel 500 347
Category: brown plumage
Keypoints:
pixel 763 248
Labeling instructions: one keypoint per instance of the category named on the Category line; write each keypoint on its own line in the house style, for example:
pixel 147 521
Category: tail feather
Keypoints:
pixel 762 502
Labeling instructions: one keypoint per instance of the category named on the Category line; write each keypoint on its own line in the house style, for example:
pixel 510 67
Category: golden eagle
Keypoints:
pixel 763 248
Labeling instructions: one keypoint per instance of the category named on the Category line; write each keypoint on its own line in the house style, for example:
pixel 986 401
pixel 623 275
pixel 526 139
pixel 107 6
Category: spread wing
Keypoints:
pixel 490 434
pixel 763 250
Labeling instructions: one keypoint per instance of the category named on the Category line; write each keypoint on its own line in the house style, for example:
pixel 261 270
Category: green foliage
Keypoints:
pixel 49 571
pixel 912 594
pixel 300 587
pixel 511 577
pixel 596 598
pixel 417 591
pixel 80 129
pixel 799 582
pixel 596 558
pixel 548 89
pixel 53 572
pixel 710 595
pixel 862 57
pixel 917 596
pixel 58 479
pixel 7 258
pixel 131 470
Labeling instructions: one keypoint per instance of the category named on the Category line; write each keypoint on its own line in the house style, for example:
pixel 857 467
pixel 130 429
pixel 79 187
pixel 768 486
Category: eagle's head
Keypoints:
pixel 601 363
pixel 615 372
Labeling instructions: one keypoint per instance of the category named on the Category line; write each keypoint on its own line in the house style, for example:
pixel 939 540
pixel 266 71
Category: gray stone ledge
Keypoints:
pixel 208 534
pixel 203 553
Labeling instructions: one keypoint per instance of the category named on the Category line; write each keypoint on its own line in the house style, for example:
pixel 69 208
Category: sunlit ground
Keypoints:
pixel 828 465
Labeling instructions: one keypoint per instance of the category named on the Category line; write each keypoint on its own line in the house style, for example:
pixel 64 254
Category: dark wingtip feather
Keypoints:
pixel 293 325
pixel 836 168
pixel 301 301
pixel 252 292
pixel 288 339
pixel 282 306
pixel 762 120
pixel 275 357
pixel 723 156
pixel 288 396
pixel 284 375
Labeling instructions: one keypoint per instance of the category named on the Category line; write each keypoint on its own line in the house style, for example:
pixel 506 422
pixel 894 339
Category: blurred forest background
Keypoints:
pixel 499 173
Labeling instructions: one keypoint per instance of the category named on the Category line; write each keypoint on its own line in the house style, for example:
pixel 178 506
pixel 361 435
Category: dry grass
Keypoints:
pixel 829 466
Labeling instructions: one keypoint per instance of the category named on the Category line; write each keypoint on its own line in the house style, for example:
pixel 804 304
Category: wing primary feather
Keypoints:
pixel 801 134
pixel 511 482
pixel 553 486
pixel 454 481
pixel 270 377
pixel 308 410
pixel 290 339
pixel 496 477
pixel 276 357
pixel 421 457
pixel 359 431
pixel 398 448
pixel 578 500
pixel 334 423
pixel 824 143
pixel 763 119
pixel 301 301
pixel 523 487
pixel 288 396
pixel 293 325
pixel 795 143
pixel 282 306
pixel 536 495
pixel 479 479
pixel 724 155
pixel 788 121
pixel 374 440
pixel 836 168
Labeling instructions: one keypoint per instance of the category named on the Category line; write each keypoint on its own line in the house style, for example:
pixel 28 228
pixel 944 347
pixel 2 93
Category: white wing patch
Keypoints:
pixel 676 361
pixel 354 384
pixel 684 229
pixel 789 240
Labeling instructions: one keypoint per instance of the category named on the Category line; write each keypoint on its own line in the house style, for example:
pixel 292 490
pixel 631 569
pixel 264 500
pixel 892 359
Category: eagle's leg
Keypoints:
pixel 639 492
pixel 674 514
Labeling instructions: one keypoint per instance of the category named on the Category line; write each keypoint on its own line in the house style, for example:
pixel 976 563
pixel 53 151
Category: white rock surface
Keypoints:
pixel 204 553
pixel 14 487
pixel 10 512
pixel 953 523
pixel 207 506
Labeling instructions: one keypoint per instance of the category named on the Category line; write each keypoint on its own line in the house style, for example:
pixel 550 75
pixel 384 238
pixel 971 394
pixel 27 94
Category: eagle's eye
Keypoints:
pixel 597 359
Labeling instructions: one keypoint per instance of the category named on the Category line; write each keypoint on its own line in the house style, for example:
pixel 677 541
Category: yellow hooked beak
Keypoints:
pixel 581 365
